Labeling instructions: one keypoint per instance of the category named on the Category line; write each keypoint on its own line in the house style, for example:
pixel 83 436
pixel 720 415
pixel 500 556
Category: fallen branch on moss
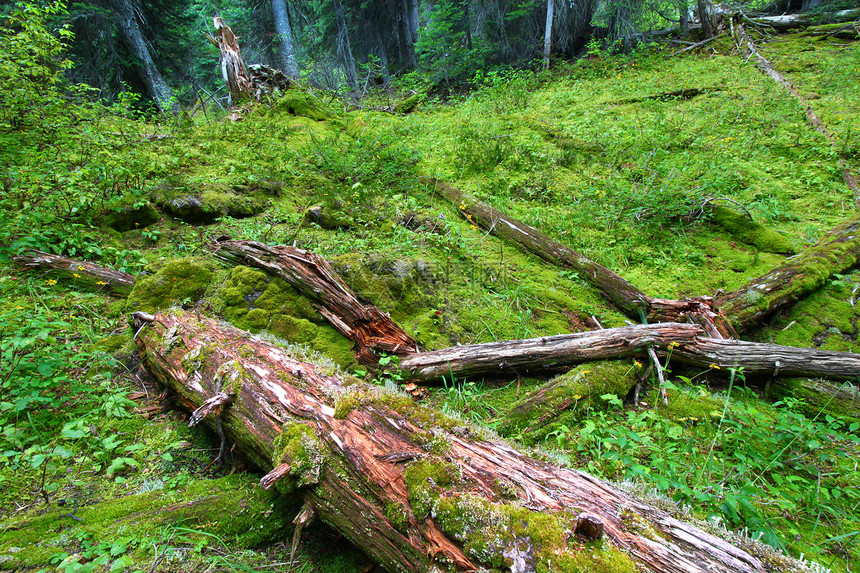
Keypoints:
pixel 370 328
pixel 94 276
pixel 409 486
pixel 687 343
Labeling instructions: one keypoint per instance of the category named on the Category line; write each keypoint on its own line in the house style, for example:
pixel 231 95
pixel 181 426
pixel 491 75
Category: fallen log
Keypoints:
pixel 370 328
pixel 94 276
pixel 787 22
pixel 412 488
pixel 688 343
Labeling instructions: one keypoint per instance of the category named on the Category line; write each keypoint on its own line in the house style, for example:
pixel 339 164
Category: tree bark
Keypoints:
pixel 547 35
pixel 148 72
pixel 286 48
pixel 93 275
pixel 705 19
pixel 687 343
pixel 344 46
pixel 370 328
pixel 408 486
pixel 233 68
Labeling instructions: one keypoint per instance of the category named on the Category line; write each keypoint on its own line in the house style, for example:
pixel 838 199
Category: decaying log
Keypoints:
pixel 407 485
pixel 370 328
pixel 233 68
pixel 788 22
pixel 747 47
pixel 622 294
pixel 836 252
pixel 116 282
pixel 688 343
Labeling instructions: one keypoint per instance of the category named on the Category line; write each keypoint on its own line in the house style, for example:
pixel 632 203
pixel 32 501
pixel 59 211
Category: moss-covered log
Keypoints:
pixel 836 252
pixel 94 276
pixel 688 343
pixel 411 487
pixel 370 328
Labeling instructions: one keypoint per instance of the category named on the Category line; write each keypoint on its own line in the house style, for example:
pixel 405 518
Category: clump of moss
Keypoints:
pixel 296 102
pixel 180 281
pixel 751 232
pixel 298 446
pixel 567 398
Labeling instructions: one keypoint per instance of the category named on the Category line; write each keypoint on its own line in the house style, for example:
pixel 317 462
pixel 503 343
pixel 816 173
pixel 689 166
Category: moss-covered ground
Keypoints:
pixel 680 194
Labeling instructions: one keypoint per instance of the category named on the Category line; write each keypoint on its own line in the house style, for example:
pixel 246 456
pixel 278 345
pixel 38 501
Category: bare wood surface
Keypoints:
pixel 360 450
pixel 93 275
pixel 233 68
pixel 688 343
pixel 370 328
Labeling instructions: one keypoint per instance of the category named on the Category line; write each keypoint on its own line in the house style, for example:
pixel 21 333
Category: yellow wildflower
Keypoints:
pixel 714 366
pixel 577 397
pixel 51 282
pixel 76 275
pixel 101 283
pixel 81 268
pixel 673 344
pixel 637 363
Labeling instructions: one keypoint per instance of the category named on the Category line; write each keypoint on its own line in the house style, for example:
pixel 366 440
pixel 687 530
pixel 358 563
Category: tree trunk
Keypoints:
pixel 286 49
pixel 344 46
pixel 370 328
pixel 412 18
pixel 547 35
pixel 683 17
pixel 705 18
pixel 148 72
pixel 409 486
pixel 687 343
pixel 94 276
pixel 233 68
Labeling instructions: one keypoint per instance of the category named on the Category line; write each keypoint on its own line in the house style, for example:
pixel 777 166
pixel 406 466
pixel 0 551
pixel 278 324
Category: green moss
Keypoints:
pixel 567 398
pixel 751 232
pixel 819 396
pixel 296 102
pixel 298 446
pixel 180 281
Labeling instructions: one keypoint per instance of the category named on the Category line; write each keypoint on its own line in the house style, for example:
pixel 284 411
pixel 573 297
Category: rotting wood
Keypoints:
pixel 233 68
pixel 371 329
pixel 451 503
pixel 836 252
pixel 94 276
pixel 748 47
pixel 687 343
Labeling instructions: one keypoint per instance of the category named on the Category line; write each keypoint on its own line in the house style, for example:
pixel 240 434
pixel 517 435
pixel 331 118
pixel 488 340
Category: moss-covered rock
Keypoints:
pixel 131 215
pixel 205 205
pixel 180 281
pixel 567 398
pixel 751 232
pixel 297 102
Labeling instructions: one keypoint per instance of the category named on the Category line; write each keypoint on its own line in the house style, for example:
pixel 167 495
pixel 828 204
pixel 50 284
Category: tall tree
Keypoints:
pixel 547 35
pixel 705 19
pixel 343 45
pixel 129 29
pixel 286 49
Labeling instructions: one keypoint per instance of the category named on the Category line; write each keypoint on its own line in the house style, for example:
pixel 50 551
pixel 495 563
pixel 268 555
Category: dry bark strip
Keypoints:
pixel 370 328
pixel 688 343
pixel 233 68
pixel 746 45
pixel 409 487
pixel 93 275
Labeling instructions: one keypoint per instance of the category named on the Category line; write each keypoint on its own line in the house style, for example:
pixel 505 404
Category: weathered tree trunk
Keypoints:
pixel 836 252
pixel 233 68
pixel 344 46
pixel 705 18
pixel 683 17
pixel 547 35
pixel 409 486
pixel 371 329
pixel 687 343
pixel 95 276
pixel 148 72
pixel 788 22
pixel 286 48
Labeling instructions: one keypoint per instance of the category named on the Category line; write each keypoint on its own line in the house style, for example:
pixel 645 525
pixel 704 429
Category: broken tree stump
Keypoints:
pixel 371 329
pixel 411 487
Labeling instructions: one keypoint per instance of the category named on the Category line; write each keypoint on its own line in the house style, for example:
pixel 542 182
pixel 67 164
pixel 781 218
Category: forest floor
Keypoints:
pixel 621 158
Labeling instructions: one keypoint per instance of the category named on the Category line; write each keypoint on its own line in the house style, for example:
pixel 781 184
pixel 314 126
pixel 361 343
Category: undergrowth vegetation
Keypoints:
pixel 622 157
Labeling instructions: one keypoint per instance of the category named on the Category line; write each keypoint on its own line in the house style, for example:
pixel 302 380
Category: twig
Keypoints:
pixel 660 377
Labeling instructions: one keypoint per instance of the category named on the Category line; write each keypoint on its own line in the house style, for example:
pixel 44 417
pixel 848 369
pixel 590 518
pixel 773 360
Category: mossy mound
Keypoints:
pixel 252 300
pixel 206 205
pixel 751 232
pixel 230 509
pixel 817 396
pixel 130 215
pixel 301 103
pixel 180 281
pixel 568 398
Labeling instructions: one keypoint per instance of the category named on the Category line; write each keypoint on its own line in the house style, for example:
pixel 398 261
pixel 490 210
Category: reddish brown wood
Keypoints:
pixel 371 329
pixel 233 68
pixel 359 446
pixel 93 275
